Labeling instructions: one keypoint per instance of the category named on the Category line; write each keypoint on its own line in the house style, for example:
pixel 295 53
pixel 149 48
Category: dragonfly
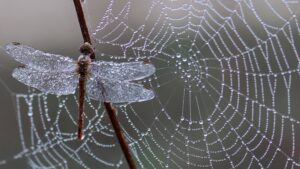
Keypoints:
pixel 99 80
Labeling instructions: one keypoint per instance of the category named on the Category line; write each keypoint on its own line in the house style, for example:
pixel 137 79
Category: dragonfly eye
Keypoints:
pixel 86 49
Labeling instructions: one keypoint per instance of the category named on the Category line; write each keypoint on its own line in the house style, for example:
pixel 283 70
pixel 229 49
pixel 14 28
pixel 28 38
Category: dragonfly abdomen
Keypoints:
pixel 82 69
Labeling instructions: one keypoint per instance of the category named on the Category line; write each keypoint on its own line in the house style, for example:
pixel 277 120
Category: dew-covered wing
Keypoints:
pixel 126 71
pixel 47 82
pixel 117 91
pixel 39 60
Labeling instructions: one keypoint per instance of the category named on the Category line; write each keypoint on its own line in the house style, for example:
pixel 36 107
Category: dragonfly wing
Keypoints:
pixel 39 60
pixel 117 91
pixel 48 82
pixel 126 71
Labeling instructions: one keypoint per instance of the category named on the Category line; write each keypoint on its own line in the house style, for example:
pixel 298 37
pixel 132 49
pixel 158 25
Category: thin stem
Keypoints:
pixel 118 130
pixel 82 22
pixel 108 106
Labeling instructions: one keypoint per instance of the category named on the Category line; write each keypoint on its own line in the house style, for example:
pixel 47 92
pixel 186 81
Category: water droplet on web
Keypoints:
pixel 178 55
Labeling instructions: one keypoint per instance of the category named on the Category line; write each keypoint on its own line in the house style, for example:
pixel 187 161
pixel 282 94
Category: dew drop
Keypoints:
pixel 30 113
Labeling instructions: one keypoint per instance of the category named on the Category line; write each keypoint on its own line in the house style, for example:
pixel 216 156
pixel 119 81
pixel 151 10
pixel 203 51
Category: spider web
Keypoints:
pixel 226 90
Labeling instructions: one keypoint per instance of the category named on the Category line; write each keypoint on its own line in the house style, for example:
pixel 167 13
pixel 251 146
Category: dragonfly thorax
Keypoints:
pixel 83 63
pixel 84 58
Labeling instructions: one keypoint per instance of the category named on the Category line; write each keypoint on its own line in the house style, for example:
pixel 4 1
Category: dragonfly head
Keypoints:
pixel 86 49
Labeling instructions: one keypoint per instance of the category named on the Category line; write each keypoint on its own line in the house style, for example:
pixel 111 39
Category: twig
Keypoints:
pixel 83 26
pixel 108 106
pixel 118 130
